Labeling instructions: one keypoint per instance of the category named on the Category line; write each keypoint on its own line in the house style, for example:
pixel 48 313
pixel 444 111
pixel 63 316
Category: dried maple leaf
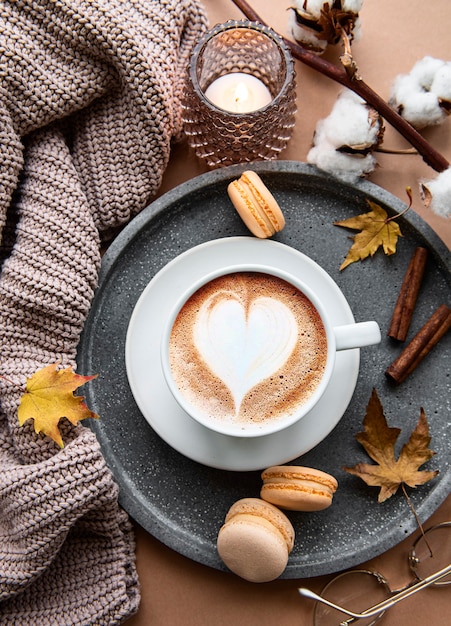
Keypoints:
pixel 377 229
pixel 48 397
pixel 379 440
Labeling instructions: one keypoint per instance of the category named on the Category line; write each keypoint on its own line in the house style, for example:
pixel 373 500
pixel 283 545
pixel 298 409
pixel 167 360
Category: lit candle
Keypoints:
pixel 238 93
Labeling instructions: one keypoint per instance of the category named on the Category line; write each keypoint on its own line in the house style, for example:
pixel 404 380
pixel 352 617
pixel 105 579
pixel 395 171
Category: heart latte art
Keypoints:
pixel 241 343
pixel 247 347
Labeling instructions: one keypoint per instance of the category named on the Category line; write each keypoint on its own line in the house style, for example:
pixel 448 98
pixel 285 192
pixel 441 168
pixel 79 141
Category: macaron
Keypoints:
pixel 255 540
pixel 256 205
pixel 298 488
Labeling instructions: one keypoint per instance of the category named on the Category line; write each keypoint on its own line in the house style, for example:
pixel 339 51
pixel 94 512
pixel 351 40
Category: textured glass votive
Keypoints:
pixel 241 65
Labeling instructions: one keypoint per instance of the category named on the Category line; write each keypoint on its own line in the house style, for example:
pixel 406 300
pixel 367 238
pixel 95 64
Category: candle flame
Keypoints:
pixel 241 93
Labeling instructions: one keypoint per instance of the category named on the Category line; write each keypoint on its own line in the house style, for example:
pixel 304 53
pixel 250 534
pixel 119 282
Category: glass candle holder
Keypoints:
pixel 240 101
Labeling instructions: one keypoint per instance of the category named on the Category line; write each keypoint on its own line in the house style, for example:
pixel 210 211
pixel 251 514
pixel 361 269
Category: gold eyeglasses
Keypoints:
pixel 429 560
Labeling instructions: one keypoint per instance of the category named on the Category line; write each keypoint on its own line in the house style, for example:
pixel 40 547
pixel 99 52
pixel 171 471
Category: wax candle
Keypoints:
pixel 238 93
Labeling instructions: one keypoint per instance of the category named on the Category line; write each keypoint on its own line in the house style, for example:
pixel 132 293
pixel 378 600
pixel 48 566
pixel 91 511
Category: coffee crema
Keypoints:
pixel 247 348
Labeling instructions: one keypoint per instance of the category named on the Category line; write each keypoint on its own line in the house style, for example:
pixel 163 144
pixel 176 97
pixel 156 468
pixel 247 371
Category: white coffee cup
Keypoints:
pixel 249 349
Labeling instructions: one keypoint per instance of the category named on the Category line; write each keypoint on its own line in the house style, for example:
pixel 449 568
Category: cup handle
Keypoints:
pixel 357 335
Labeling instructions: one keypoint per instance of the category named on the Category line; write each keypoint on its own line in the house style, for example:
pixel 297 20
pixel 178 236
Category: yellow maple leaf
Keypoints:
pixel 48 397
pixel 379 440
pixel 377 229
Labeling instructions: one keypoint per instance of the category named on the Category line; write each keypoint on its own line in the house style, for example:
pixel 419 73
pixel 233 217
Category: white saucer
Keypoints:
pixel 155 401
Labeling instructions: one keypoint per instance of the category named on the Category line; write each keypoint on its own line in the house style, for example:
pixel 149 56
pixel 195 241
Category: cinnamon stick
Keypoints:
pixel 420 346
pixel 408 294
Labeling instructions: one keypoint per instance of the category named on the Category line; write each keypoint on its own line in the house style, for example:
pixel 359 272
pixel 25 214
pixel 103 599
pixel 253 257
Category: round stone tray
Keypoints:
pixel 182 502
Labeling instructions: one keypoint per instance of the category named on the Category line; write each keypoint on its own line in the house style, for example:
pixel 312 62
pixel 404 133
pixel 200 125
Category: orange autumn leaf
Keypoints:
pixel 48 397
pixel 377 229
pixel 379 440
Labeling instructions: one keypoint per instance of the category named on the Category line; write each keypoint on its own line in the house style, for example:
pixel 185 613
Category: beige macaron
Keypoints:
pixel 255 540
pixel 256 205
pixel 298 488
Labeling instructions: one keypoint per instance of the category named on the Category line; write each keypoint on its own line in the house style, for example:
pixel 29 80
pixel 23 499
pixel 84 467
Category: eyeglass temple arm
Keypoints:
pixel 386 604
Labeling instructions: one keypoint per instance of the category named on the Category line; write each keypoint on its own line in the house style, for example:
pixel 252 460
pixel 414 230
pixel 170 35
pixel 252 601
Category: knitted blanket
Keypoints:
pixel 89 103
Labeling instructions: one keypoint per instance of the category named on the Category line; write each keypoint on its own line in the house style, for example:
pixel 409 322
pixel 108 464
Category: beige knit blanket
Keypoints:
pixel 89 103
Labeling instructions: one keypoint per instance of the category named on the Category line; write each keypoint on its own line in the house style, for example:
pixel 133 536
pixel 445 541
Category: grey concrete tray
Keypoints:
pixel 182 502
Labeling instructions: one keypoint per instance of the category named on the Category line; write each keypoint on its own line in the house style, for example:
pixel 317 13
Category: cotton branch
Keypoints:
pixel 432 157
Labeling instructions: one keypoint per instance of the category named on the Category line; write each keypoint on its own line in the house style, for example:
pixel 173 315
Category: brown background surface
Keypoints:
pixel 179 592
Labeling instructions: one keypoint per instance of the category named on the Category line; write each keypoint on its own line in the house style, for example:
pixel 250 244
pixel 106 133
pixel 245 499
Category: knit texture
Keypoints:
pixel 89 104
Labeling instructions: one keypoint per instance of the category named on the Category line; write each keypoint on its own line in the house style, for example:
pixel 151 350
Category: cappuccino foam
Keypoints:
pixel 247 348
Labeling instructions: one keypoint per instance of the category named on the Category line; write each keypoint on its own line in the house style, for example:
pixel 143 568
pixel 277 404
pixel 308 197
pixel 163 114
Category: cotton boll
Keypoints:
pixel 317 23
pixel 420 108
pixel 344 140
pixel 303 24
pixel 308 37
pixel 436 194
pixel 423 96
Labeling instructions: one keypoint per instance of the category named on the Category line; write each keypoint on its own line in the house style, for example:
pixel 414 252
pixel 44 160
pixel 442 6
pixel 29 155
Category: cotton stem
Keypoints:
pixel 347 60
pixel 407 151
